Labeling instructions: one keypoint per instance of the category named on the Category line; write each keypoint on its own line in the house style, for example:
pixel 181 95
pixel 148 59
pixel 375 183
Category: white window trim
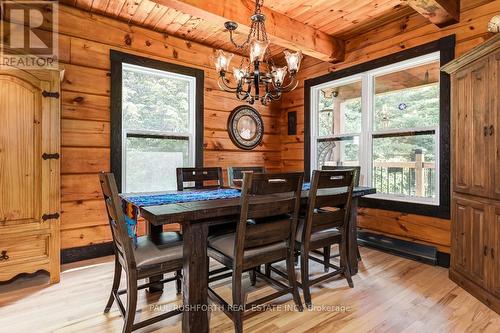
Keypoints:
pixel 191 135
pixel 367 132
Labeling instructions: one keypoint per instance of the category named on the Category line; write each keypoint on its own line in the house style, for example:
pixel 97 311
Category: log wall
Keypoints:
pixel 390 37
pixel 85 41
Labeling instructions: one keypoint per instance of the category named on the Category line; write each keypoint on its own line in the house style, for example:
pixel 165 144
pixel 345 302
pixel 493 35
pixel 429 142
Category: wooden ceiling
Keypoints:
pixel 317 27
pixel 160 18
pixel 334 16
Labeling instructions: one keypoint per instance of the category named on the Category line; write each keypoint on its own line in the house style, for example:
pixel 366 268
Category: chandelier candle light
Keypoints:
pixel 257 78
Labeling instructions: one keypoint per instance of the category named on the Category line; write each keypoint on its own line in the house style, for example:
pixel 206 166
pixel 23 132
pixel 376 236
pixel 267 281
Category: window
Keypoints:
pixel 157 105
pixel 386 116
pixel 395 111
pixel 339 124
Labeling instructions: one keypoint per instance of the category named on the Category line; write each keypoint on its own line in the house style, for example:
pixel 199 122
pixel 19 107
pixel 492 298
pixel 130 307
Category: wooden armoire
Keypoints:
pixel 475 146
pixel 29 172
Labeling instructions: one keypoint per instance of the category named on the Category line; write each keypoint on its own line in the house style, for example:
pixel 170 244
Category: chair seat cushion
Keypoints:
pixel 225 245
pixel 148 254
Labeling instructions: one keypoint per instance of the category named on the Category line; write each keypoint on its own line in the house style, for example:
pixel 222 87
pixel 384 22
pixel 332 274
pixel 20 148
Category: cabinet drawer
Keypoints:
pixel 20 249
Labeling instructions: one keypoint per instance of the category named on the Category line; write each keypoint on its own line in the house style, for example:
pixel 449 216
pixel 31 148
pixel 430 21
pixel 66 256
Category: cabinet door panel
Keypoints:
pixel 21 171
pixel 461 147
pixel 494 71
pixel 480 175
pixel 460 216
pixel 470 237
pixel 494 267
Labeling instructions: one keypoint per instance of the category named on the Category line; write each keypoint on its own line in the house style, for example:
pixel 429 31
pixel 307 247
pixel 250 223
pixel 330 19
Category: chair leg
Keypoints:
pixel 131 303
pixel 304 275
pixel 178 281
pixel 115 286
pixel 253 276
pixel 359 254
pixel 344 263
pixel 237 301
pixel 326 258
pixel 267 269
pixel 292 281
pixel 296 260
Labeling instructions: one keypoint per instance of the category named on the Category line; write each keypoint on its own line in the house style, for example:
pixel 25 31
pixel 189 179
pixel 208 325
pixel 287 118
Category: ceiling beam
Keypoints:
pixel 440 12
pixel 281 29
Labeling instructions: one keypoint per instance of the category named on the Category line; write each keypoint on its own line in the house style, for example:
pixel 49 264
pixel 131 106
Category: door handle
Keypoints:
pixel 485 130
pixel 485 251
pixel 492 129
pixel 492 253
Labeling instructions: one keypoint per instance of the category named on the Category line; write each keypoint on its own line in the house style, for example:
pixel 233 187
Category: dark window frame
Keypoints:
pixel 446 48
pixel 117 59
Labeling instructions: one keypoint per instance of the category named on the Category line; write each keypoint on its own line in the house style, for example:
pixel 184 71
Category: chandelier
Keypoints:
pixel 257 77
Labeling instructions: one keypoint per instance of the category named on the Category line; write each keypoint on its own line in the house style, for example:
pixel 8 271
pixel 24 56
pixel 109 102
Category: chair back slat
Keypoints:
pixel 270 232
pixel 235 174
pixel 269 210
pixel 335 179
pixel 327 219
pixel 357 171
pixel 201 177
pixel 122 241
pixel 275 183
pixel 266 206
pixel 329 202
pixel 332 200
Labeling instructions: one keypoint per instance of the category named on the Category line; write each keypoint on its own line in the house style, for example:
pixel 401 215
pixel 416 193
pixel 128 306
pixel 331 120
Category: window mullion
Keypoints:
pixel 366 149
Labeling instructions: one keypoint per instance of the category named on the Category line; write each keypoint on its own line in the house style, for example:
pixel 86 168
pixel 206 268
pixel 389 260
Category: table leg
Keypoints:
pixel 352 244
pixel 195 284
pixel 153 232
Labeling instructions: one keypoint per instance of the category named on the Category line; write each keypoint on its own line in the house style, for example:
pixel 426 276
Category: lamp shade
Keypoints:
pixel 293 60
pixel 279 74
pixel 222 60
pixel 258 49
pixel 239 73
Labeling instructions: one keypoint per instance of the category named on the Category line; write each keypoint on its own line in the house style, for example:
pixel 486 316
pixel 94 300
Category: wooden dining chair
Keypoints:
pixel 141 260
pixel 265 233
pixel 205 178
pixel 326 223
pixel 357 171
pixel 235 174
pixel 210 177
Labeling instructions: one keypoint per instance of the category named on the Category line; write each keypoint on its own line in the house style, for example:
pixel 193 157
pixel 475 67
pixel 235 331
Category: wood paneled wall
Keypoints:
pixel 85 41
pixel 390 37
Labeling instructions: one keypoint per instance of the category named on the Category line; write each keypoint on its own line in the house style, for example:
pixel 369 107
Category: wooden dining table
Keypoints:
pixel 195 218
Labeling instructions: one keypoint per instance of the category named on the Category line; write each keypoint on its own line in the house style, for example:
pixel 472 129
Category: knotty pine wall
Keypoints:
pixel 85 41
pixel 389 38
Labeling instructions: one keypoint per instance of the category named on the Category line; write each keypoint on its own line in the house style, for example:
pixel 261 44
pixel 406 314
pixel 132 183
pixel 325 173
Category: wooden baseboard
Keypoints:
pixel 477 291
pixel 86 252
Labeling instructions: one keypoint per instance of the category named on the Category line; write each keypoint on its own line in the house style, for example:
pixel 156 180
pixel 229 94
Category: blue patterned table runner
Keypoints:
pixel 146 200
pixel 132 202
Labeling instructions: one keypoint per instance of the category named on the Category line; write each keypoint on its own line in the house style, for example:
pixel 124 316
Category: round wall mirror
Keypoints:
pixel 245 127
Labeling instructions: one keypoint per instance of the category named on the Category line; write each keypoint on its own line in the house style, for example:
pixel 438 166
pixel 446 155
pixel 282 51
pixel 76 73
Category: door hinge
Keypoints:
pixel 46 217
pixel 47 156
pixel 54 94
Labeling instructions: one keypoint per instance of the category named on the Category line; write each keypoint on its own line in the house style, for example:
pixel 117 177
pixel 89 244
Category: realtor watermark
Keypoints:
pixel 28 31
pixel 264 307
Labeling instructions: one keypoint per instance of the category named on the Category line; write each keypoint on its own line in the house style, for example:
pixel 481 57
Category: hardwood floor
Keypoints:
pixel 390 294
